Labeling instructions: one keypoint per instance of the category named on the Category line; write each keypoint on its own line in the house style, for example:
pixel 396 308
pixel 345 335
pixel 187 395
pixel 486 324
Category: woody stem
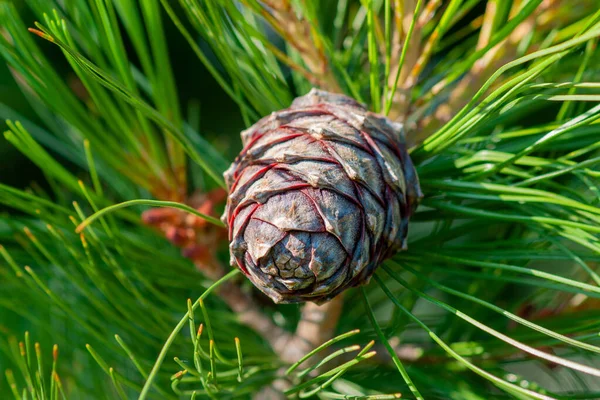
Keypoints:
pixel 317 323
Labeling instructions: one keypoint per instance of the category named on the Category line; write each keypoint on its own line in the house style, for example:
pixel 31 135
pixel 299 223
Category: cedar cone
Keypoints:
pixel 320 195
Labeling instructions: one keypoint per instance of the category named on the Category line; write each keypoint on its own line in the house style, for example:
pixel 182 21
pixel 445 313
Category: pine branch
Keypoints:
pixel 317 325
pixel 302 35
pixel 504 250
pixel 401 98
pixel 484 67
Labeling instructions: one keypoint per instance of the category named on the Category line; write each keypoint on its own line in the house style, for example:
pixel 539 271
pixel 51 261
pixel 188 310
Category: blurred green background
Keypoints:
pixel 219 118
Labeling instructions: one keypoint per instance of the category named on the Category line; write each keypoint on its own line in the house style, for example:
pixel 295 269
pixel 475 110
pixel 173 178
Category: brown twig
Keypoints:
pixel 483 68
pixel 401 100
pixel 429 12
pixel 300 34
pixel 249 313
pixel 317 325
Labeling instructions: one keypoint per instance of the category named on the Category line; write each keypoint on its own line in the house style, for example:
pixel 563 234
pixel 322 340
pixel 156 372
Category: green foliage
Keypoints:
pixel 497 295
pixel 31 367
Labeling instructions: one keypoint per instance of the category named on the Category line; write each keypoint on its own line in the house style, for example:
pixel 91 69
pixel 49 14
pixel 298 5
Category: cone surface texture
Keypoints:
pixel 319 196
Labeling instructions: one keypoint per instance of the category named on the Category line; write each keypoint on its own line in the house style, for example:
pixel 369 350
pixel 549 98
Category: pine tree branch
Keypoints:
pixel 317 325
pixel 300 34
pixel 317 322
pixel 404 11
pixel 485 67
pixel 249 313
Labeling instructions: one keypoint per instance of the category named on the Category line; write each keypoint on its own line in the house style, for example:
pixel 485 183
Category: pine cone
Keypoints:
pixel 319 196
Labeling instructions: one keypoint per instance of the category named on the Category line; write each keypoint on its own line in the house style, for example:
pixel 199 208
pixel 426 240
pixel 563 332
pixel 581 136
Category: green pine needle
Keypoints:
pixel 500 280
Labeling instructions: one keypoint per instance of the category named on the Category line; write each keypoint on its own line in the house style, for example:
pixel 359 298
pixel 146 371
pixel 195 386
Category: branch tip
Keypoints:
pixel 41 34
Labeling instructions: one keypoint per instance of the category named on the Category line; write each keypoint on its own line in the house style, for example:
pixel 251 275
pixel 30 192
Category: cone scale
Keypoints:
pixel 319 196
